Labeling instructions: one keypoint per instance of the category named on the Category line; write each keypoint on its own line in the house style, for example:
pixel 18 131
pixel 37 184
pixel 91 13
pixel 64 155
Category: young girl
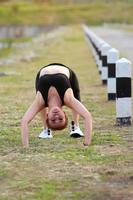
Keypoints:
pixel 56 86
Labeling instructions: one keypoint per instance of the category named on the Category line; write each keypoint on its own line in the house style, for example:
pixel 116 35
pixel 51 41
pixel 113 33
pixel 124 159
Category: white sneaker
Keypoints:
pixel 46 133
pixel 75 131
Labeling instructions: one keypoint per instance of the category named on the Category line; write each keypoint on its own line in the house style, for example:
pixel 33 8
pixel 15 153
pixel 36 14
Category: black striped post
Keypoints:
pixel 123 92
pixel 90 39
pixel 104 50
pixel 112 57
pixel 99 58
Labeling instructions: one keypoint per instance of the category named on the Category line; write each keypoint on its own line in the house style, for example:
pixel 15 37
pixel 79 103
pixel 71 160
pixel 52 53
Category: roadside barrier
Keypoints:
pixel 114 72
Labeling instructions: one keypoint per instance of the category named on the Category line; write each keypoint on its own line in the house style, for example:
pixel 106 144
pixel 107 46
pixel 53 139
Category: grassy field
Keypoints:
pixel 61 168
pixel 94 12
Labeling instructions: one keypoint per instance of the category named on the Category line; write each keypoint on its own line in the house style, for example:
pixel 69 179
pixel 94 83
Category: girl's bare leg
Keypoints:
pixel 43 115
pixel 75 117
pixel 75 130
pixel 46 133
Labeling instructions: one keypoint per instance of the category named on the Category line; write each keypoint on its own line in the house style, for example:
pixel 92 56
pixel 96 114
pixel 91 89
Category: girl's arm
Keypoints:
pixel 73 103
pixel 36 107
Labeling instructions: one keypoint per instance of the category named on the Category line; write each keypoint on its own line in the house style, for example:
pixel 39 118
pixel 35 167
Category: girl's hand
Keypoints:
pixel 86 143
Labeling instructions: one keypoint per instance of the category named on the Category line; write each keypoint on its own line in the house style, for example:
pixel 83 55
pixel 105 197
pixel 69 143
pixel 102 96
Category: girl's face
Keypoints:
pixel 56 118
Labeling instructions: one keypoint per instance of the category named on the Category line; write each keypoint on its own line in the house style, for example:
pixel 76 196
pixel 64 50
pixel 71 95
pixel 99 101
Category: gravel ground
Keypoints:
pixel 117 38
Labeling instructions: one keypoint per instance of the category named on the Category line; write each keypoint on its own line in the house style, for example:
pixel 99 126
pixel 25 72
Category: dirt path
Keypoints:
pixel 117 38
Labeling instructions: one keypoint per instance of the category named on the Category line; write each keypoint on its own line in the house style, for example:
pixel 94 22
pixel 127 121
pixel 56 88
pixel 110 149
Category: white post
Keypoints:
pixel 123 92
pixel 112 57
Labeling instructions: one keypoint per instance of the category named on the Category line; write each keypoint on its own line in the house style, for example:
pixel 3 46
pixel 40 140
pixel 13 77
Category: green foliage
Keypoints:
pixel 93 12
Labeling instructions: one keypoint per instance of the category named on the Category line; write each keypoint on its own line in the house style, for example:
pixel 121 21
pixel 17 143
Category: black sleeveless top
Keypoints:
pixel 59 81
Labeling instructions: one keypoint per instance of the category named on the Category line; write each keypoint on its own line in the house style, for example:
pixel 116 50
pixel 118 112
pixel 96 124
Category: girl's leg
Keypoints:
pixel 43 115
pixel 75 117
pixel 46 133
pixel 75 130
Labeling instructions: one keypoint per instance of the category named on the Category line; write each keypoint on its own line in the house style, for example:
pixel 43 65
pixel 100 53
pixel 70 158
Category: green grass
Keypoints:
pixel 94 12
pixel 9 44
pixel 61 168
pixel 15 40
pixel 5 51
